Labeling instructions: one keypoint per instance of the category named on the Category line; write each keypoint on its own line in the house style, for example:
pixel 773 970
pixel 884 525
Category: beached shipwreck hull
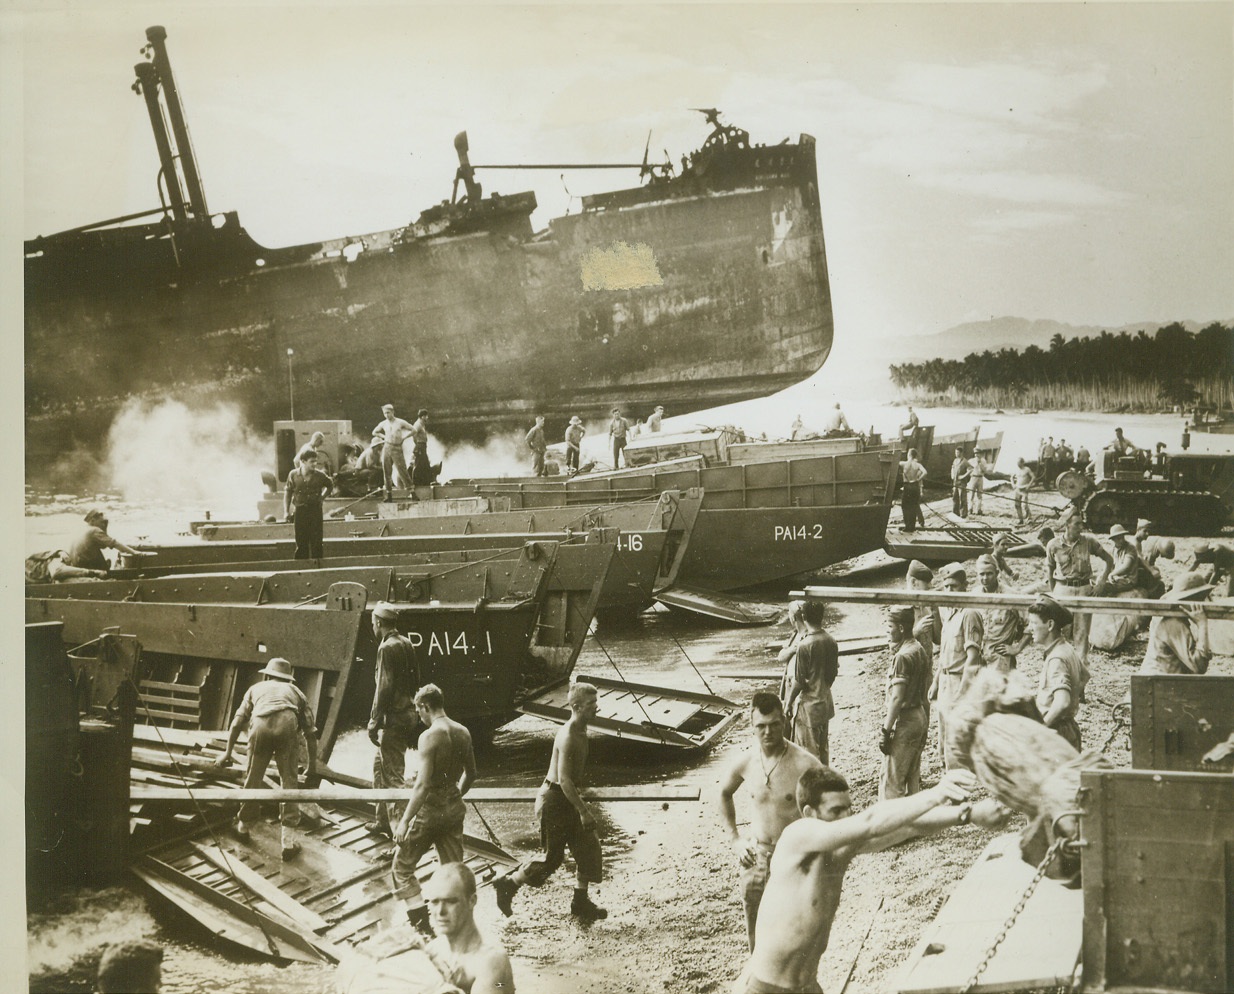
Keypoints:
pixel 705 287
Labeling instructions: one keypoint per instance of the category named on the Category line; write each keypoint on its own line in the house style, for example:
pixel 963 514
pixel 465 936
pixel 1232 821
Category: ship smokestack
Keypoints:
pixel 148 86
pixel 465 171
pixel 157 36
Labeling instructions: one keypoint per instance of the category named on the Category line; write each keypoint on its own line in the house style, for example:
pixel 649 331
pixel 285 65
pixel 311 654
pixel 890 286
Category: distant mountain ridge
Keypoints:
pixel 1010 332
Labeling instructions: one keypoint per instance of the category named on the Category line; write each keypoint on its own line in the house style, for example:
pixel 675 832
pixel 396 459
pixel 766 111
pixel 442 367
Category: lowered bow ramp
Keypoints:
pixel 642 713
pixel 713 604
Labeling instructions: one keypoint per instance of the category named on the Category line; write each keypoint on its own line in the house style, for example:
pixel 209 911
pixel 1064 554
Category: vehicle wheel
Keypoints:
pixel 1104 510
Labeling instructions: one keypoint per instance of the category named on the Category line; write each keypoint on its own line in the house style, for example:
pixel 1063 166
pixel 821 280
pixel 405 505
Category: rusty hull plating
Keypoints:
pixel 699 288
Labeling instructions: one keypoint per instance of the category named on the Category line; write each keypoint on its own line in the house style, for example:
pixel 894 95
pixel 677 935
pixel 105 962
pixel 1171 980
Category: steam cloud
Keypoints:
pixel 167 451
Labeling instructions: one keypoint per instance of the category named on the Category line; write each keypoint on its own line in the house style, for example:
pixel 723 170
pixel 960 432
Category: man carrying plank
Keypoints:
pixel 807 870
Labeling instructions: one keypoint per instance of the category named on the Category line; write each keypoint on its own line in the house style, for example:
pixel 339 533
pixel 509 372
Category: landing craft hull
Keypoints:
pixel 695 290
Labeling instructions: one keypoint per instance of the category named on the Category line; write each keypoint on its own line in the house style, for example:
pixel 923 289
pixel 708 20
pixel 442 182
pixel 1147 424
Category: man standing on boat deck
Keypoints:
pixel 959 654
pixel 772 766
pixel 317 445
pixel 815 665
pixel 1022 482
pixel 435 811
pixel 303 495
pixel 1069 571
pixel 911 473
pixel 835 421
pixel 655 418
pixel 565 818
pixel 807 870
pixel 574 440
pixel 907 719
pixel 976 483
pixel 535 442
pixel 87 552
pixel 617 429
pixel 421 474
pixel 276 712
pixel 393 464
pixel 1005 632
pixel 392 722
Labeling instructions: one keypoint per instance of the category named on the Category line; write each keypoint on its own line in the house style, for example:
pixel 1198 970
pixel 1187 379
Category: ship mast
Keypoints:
pixel 155 79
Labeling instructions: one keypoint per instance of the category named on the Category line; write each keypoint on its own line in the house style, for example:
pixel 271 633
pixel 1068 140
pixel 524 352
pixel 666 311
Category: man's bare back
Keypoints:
pixel 449 745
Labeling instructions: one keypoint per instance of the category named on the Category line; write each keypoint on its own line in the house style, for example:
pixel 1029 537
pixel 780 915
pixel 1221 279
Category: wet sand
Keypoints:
pixel 675 919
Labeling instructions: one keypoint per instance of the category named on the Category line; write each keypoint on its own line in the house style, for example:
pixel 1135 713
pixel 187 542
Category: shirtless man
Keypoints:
pixel 463 957
pixel 807 871
pixel 435 811
pixel 778 763
pixel 565 818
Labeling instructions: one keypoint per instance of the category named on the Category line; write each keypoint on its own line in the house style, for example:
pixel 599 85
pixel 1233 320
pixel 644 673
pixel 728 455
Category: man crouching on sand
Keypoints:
pixel 807 868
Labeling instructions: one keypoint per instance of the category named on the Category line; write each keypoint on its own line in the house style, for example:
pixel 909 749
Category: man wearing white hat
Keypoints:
pixel 574 439
pixel 275 711
pixel 1128 566
pixel 392 721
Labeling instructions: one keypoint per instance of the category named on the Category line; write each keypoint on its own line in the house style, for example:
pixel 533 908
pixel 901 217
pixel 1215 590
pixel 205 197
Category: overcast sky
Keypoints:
pixel 1064 161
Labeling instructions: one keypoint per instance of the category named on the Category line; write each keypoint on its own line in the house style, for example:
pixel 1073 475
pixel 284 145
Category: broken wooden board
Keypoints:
pixel 643 713
pixel 1041 950
pixel 714 604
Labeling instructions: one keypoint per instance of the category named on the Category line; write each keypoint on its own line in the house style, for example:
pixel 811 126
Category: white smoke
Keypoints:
pixel 500 455
pixel 168 451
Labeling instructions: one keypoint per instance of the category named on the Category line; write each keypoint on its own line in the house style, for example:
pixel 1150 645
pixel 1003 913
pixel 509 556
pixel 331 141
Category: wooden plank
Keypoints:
pixel 1041 950
pixel 144 794
pixel 263 888
pixel 184 688
pixel 980 600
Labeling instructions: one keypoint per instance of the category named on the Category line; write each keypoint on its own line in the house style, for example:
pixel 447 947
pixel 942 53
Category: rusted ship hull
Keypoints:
pixel 702 288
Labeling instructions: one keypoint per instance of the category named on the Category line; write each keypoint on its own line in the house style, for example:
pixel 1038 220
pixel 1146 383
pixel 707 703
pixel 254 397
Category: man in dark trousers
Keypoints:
pixel 565 818
pixel 907 718
pixel 392 722
pixel 276 713
pixel 306 489
pixel 535 442
pixel 421 472
pixel 435 812
pixel 617 430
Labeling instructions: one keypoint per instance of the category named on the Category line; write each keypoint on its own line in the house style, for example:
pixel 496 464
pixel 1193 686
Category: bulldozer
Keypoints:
pixel 1182 493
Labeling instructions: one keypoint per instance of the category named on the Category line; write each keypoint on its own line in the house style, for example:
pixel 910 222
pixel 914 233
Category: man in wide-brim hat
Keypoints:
pixel 1128 565
pixel 1180 645
pixel 276 712
pixel 574 440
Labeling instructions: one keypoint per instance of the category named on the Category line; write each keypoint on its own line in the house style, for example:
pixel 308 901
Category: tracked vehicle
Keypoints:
pixel 1182 494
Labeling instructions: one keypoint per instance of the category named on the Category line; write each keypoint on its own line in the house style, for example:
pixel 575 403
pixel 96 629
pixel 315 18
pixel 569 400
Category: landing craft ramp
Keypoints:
pixel 642 713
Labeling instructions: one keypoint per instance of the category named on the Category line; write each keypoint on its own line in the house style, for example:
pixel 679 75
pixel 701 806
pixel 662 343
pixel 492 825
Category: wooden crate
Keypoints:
pixel 1175 720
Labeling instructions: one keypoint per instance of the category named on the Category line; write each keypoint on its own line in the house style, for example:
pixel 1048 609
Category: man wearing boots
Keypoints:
pixel 565 818
pixel 435 811
pixel 392 721
pixel 275 711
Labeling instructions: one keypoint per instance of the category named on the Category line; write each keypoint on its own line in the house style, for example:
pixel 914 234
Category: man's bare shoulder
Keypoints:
pixel 801 759
pixel 808 835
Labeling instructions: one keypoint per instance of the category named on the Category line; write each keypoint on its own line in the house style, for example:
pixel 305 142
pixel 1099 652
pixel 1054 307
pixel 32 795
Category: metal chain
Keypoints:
pixel 1119 713
pixel 1055 847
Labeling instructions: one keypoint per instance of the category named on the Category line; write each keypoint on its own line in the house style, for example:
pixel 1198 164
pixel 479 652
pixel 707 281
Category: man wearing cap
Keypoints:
pixel 812 672
pixel 906 722
pixel 959 655
pixel 1180 645
pixel 617 429
pixel 276 712
pixel 537 445
pixel 1005 635
pixel 1069 571
pixel 392 720
pixel 393 464
pixel 656 416
pixel 574 440
pixel 1128 565
pixel 1064 674
pixel 435 811
pixel 86 553
pixel 421 473
pixel 1220 557
pixel 303 496
pixel 960 471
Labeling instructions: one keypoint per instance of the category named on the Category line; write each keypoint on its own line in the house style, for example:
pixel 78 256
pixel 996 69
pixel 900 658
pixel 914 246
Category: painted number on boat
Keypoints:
pixel 630 543
pixel 450 644
pixel 794 533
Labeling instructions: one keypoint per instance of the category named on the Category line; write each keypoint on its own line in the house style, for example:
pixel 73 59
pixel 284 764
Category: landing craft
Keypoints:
pixel 706 284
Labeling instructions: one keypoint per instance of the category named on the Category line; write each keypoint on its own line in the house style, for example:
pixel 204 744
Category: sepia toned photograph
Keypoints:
pixel 467 447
